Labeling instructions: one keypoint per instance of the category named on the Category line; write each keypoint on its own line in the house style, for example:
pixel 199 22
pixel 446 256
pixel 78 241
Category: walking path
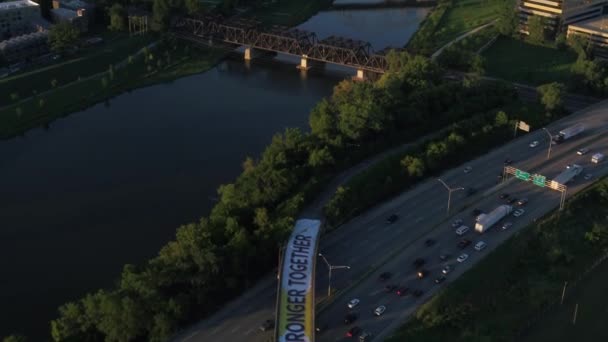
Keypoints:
pixel 461 37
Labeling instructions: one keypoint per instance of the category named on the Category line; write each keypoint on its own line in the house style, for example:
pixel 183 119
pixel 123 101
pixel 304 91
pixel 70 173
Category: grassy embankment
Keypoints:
pixel 78 95
pixel 288 12
pixel 518 61
pixel 520 284
pixel 449 19
pixel 89 61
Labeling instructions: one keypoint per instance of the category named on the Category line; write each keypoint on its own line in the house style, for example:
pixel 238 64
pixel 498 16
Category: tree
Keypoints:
pixel 111 72
pixel 551 95
pixel 53 83
pixel 413 165
pixel 15 96
pixel 507 18
pixel 14 338
pixel 322 120
pixel 598 235
pixel 117 17
pixel 320 157
pixel 104 82
pixel 536 29
pixel 160 14
pixel 501 119
pixel 62 36
pixel 193 6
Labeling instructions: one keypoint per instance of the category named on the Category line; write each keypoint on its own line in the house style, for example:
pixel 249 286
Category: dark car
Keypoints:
pixel 522 202
pixel 321 328
pixel 429 242
pixel 444 257
pixel 422 273
pixel 508 161
pixel 471 191
pixel 418 262
pixel 402 291
pixel 390 288
pixel 462 244
pixel 512 200
pixel 354 331
pixel 351 317
pixel 267 325
pixel 392 219
pixel 417 293
pixel 439 280
pixel 503 196
pixel 476 212
pixel 385 276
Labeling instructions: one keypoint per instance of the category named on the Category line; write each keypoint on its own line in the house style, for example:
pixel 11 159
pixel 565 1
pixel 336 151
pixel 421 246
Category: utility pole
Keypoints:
pixel 330 267
pixel 450 190
pixel 550 141
pixel 563 291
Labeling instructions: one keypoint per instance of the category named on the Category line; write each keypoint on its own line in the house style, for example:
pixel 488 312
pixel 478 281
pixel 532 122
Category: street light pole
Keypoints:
pixel 330 267
pixel 550 140
pixel 450 190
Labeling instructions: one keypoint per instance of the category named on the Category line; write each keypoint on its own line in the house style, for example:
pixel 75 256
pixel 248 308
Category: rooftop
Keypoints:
pixel 17 4
pixel 64 13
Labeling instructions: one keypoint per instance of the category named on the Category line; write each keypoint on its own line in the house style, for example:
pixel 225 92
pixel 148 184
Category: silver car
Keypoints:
pixel 380 310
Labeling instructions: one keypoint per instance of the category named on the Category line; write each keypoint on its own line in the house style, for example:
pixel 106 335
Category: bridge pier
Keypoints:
pixel 248 54
pixel 304 63
pixel 362 75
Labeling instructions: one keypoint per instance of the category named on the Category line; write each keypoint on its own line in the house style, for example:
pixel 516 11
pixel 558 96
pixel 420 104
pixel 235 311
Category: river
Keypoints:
pixel 109 185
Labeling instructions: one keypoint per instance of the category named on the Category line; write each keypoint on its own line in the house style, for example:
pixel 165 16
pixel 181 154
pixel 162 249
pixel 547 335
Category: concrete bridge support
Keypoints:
pixel 304 63
pixel 248 53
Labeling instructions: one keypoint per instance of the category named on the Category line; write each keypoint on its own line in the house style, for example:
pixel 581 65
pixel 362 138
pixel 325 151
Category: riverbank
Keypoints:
pixel 176 60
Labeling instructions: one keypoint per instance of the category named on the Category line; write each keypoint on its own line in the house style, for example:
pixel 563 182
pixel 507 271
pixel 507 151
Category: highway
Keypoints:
pixel 367 241
pixel 422 210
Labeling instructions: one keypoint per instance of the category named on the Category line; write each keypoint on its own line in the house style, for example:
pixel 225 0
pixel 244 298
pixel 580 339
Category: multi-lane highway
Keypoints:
pixel 369 244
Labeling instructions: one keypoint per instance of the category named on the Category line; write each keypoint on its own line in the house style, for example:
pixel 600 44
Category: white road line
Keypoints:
pixel 214 331
pixel 235 329
pixel 249 331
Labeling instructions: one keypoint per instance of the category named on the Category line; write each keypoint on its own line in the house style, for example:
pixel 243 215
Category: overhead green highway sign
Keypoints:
pixel 522 175
pixel 539 180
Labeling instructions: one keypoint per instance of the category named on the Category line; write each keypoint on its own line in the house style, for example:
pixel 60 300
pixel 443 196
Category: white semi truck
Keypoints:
pixel 486 221
pixel 566 176
pixel 568 133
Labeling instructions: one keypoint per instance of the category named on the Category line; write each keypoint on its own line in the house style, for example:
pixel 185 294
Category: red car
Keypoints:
pixel 354 331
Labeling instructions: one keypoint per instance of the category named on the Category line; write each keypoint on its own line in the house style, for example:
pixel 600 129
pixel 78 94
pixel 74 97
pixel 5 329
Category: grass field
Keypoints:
pixel 463 16
pixel 89 62
pixel 592 297
pixel 517 61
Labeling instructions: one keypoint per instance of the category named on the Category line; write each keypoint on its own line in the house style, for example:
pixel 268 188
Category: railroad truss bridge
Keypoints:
pixel 290 41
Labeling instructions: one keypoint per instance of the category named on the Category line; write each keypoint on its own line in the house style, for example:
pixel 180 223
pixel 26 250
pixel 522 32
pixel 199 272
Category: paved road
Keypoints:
pixel 461 37
pixel 367 241
pixel 422 216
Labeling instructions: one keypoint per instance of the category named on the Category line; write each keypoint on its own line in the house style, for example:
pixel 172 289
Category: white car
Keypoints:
pixel 353 303
pixel 462 257
pixel 462 230
pixel 480 245
pixel 467 169
pixel 534 143
pixel 380 310
pixel 447 269
pixel 518 212
pixel 582 151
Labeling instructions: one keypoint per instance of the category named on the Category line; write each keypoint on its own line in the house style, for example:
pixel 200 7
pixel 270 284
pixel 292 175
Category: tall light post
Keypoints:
pixel 330 267
pixel 450 190
pixel 550 140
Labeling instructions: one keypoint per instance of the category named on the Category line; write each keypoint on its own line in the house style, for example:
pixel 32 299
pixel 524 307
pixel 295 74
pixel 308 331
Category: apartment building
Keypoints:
pixel 16 17
pixel 596 31
pixel 559 14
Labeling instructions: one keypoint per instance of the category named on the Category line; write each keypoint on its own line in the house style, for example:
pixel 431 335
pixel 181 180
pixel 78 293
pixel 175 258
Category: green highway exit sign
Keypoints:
pixel 539 180
pixel 522 175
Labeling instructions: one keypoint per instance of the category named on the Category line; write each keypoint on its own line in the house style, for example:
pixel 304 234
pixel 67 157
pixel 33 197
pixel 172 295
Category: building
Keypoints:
pixel 76 18
pixel 559 13
pixel 596 31
pixel 25 46
pixel 16 17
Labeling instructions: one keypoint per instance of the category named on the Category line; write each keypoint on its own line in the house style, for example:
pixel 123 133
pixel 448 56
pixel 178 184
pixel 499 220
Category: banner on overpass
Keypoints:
pixel 296 302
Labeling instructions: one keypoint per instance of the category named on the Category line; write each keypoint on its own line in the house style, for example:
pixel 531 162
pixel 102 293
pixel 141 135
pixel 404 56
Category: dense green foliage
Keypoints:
pixel 551 96
pixel 117 16
pixel 536 29
pixel 521 280
pixel 63 36
pixel 464 55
